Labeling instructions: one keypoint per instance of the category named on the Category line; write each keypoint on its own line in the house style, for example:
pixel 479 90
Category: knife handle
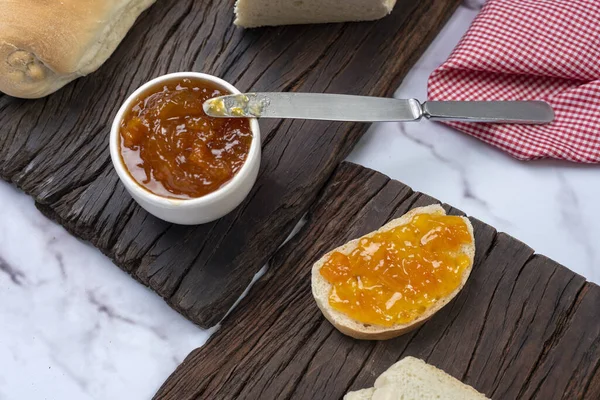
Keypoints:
pixel 515 112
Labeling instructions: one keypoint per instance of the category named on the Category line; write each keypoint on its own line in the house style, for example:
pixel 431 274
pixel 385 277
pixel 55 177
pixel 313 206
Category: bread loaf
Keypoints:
pixel 414 379
pixel 46 44
pixel 364 394
pixel 321 288
pixel 255 13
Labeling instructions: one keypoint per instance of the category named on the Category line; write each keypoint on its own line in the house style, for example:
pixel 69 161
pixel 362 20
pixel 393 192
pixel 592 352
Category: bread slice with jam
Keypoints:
pixel 321 288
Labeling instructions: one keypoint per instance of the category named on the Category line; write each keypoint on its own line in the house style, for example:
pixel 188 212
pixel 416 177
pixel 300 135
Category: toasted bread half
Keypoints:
pixel 358 330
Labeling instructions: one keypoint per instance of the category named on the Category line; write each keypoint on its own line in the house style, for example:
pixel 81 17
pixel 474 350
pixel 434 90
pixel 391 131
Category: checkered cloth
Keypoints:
pixel 531 50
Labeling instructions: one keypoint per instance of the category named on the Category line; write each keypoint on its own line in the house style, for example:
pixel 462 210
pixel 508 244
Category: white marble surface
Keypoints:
pixel 73 326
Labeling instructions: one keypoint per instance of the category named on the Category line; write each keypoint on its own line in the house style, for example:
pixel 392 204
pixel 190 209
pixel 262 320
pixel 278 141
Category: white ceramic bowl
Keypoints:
pixel 188 211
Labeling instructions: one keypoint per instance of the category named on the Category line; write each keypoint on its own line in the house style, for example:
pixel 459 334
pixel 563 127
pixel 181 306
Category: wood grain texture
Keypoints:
pixel 56 149
pixel 523 326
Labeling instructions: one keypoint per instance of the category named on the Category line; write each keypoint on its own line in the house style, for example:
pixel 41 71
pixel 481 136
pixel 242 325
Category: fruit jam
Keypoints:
pixel 393 277
pixel 173 149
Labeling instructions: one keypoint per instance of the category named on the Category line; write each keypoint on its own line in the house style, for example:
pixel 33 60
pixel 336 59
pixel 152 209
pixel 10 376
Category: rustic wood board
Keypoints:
pixel 56 149
pixel 523 327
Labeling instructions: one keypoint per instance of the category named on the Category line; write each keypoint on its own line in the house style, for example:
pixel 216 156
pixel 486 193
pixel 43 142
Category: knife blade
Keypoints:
pixel 336 107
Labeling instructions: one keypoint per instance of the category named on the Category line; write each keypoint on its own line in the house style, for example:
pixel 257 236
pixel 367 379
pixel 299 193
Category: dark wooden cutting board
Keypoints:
pixel 56 149
pixel 523 326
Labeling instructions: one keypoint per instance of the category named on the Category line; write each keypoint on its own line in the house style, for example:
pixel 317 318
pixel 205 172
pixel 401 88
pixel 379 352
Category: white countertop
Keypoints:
pixel 74 326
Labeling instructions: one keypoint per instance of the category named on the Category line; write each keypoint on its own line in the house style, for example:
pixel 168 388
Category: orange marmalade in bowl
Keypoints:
pixel 393 277
pixel 173 149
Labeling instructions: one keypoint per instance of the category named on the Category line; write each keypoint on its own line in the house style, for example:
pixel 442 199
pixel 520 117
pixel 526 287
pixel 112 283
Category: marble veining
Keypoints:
pixel 16 276
pixel 574 221
pixel 74 326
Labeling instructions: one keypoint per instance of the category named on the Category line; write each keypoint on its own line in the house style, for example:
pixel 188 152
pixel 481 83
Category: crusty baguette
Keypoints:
pixel 414 379
pixel 255 13
pixel 46 44
pixel 321 288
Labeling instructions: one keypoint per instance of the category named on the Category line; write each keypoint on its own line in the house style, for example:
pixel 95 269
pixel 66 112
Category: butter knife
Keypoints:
pixel 336 107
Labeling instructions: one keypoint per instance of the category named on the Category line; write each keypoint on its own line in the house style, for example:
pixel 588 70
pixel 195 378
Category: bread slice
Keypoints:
pixel 364 394
pixel 414 379
pixel 255 13
pixel 321 288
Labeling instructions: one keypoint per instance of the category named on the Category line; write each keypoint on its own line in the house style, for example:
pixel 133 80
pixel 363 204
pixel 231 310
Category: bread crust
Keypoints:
pixel 321 288
pixel 256 13
pixel 46 44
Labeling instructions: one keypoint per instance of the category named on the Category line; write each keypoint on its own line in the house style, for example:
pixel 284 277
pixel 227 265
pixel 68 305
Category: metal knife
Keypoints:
pixel 336 107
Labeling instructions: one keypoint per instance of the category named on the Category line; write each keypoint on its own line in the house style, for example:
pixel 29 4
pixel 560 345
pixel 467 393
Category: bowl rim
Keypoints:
pixel 224 191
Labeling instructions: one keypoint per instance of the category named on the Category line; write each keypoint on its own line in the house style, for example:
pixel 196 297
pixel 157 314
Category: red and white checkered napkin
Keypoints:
pixel 531 50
